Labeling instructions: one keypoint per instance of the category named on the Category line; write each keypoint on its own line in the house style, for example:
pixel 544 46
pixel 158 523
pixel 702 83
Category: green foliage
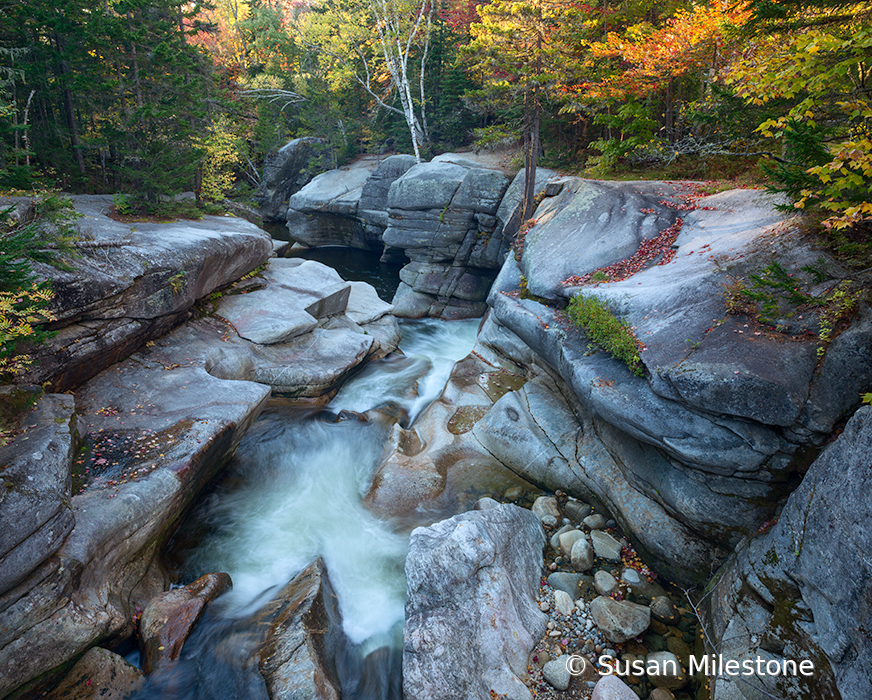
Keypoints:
pixel 636 130
pixel 605 330
pixel 41 234
pixel 837 308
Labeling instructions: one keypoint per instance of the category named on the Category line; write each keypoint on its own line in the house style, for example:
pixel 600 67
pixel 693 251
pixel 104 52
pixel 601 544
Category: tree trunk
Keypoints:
pixel 69 107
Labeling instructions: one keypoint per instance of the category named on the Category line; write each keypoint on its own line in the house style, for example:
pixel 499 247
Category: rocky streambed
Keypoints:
pixel 689 471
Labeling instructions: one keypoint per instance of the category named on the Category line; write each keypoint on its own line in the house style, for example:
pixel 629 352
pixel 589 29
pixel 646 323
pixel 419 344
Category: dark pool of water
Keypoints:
pixel 356 265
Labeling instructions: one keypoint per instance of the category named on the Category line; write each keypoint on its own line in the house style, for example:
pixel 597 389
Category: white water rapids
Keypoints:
pixel 293 493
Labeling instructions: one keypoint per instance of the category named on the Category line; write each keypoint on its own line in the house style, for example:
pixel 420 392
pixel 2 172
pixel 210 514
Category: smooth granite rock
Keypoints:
pixel 471 613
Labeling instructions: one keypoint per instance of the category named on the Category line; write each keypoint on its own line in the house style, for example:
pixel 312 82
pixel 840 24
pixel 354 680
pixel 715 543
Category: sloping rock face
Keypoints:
pixel 698 453
pixel 471 612
pixel 802 591
pixel 136 284
pixel 153 436
pixel 287 171
pixel 36 488
pixel 690 458
pixel 453 221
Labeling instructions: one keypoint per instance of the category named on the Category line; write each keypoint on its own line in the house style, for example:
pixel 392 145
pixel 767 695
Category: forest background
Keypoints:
pixel 147 98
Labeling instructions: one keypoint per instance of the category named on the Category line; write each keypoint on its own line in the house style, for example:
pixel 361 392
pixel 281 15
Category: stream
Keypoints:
pixel 292 494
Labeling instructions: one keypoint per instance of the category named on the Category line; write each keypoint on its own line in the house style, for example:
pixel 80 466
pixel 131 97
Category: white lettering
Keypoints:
pixel 806 667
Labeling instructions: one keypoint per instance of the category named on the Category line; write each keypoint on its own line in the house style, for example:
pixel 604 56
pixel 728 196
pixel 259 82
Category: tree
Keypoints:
pixel 817 58
pixel 514 48
pixel 341 31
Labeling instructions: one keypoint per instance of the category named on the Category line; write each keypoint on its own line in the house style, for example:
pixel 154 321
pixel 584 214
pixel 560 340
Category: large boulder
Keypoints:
pixel 287 171
pixel 133 283
pixel 471 613
pixel 440 214
pixel 324 212
pixel 299 656
pixel 801 591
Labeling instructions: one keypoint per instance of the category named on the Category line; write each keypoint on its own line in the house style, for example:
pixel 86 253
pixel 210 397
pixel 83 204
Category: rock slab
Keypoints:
pixel 471 613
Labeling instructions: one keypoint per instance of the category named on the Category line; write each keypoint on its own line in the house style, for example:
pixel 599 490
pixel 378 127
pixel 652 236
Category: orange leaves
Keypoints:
pixel 691 39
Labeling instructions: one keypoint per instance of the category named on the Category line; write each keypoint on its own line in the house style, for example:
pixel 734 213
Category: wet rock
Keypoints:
pixel 680 648
pixel 619 620
pixel 35 483
pixel 664 610
pixel 612 688
pixel 99 675
pixel 661 694
pixel 471 613
pixel 106 567
pixel 556 672
pixel 298 658
pixel 606 546
pixel 641 585
pixel 170 617
pixel 605 583
pixel 668 673
pixel 582 555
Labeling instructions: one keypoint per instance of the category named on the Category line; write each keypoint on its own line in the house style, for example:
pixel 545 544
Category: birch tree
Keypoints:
pixel 382 43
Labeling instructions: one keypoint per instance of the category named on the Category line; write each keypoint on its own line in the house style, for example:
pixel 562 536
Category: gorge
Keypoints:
pixel 693 461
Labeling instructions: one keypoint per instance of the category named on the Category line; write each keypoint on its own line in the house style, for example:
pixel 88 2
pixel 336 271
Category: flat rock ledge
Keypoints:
pixel 134 282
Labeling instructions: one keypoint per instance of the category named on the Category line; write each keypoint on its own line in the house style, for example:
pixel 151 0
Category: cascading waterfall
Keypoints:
pixel 293 493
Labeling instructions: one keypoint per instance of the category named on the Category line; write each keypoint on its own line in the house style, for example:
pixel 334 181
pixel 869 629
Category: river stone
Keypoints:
pixel 546 505
pixel 619 620
pixel 568 540
pixel 298 657
pixel 35 483
pixel 641 585
pixel 563 602
pixel 169 619
pixel 669 673
pixel 556 672
pixel 99 675
pixel 577 510
pixel 595 522
pixel 581 555
pixel 471 613
pixel 612 688
pixel 606 546
pixel 664 610
pixel 555 538
pixel 604 583
pixel 661 694
pixel 576 585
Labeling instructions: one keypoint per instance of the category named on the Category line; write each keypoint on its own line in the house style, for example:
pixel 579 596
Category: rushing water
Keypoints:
pixel 292 494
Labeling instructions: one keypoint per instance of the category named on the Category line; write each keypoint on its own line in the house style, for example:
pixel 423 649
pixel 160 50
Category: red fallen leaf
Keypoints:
pixel 100 461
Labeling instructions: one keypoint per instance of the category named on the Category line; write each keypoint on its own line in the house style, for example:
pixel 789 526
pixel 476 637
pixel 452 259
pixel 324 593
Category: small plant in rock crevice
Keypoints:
pixel 606 331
